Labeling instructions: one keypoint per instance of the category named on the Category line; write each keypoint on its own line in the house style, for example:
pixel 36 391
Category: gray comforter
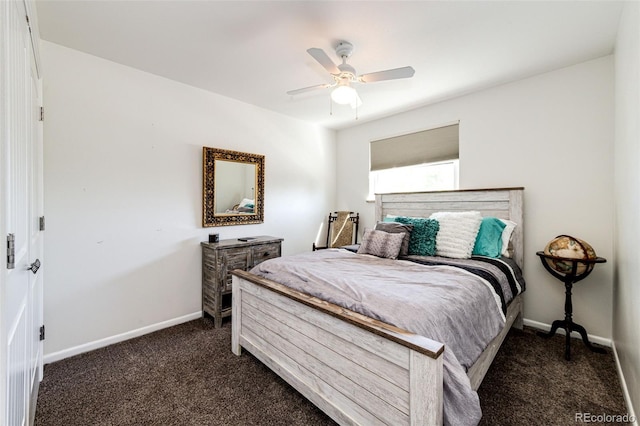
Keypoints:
pixel 445 303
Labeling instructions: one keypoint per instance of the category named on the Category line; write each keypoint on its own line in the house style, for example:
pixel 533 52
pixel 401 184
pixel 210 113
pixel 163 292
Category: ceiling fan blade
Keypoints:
pixel 404 72
pixel 308 89
pixel 324 60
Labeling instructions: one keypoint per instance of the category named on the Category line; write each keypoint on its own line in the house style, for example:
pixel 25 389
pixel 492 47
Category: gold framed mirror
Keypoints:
pixel 232 187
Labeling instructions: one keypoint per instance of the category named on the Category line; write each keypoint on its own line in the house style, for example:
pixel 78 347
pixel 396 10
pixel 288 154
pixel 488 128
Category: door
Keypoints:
pixel 21 202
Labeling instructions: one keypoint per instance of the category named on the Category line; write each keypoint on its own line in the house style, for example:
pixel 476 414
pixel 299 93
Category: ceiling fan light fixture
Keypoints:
pixel 344 95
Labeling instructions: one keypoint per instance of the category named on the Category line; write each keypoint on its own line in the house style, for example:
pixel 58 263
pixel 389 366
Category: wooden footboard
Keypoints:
pixel 355 369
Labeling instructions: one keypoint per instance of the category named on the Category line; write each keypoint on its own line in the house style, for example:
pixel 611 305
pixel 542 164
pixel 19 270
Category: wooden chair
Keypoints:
pixel 342 230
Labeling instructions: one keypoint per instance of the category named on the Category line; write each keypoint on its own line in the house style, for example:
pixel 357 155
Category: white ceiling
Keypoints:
pixel 255 51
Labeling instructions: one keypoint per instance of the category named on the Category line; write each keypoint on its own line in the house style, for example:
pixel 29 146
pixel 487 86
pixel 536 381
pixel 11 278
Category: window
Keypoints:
pixel 422 161
pixel 422 177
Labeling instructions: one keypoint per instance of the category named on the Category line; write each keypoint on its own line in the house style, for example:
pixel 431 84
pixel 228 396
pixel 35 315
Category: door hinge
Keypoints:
pixel 11 251
pixel 41 113
pixel 41 221
pixel 42 332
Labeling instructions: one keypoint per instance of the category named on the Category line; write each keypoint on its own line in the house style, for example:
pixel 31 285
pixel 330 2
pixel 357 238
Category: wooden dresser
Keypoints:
pixel 218 259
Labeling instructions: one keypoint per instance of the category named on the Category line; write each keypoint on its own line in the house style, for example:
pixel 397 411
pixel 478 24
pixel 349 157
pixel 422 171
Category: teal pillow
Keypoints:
pixel 489 238
pixel 422 241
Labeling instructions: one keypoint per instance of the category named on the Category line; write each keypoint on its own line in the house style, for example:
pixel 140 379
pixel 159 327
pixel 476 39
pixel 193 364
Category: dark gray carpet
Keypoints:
pixel 530 383
pixel 187 375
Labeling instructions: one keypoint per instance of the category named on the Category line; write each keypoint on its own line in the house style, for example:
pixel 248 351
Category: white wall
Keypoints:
pixel 123 193
pixel 626 295
pixel 552 134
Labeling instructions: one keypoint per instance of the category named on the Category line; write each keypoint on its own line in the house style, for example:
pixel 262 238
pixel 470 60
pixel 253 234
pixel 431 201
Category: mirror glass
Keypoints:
pixel 233 191
pixel 235 186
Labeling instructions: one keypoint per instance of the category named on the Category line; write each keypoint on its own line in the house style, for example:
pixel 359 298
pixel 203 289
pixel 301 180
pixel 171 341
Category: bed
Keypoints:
pixel 359 369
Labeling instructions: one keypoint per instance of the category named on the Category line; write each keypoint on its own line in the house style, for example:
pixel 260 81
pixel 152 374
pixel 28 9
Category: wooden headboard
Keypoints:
pixel 503 203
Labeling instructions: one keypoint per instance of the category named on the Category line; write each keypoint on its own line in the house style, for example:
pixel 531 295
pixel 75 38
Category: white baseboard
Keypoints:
pixel 625 389
pixel 546 327
pixel 76 350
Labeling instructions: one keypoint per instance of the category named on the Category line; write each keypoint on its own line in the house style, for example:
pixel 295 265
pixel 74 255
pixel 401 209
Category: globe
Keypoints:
pixel 572 248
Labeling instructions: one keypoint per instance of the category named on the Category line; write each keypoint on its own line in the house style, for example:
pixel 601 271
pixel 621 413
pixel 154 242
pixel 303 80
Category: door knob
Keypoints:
pixel 34 266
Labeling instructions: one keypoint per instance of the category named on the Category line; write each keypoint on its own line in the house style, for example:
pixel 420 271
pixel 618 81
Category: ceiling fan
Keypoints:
pixel 344 75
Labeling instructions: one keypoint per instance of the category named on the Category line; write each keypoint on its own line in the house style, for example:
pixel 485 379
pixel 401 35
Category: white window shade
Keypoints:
pixel 428 146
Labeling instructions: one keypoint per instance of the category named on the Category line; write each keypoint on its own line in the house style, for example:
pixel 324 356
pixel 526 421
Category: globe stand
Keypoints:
pixel 569 279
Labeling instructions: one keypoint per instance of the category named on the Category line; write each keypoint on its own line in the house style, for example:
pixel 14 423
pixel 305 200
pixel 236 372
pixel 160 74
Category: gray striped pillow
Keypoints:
pixel 381 244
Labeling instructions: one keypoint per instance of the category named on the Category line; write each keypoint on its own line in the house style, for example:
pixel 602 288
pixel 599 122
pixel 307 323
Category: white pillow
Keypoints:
pixel 457 234
pixel 245 202
pixel 506 236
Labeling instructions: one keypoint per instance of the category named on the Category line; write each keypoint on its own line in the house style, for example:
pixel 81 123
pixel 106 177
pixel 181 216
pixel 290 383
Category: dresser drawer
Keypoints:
pixel 264 252
pixel 235 258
